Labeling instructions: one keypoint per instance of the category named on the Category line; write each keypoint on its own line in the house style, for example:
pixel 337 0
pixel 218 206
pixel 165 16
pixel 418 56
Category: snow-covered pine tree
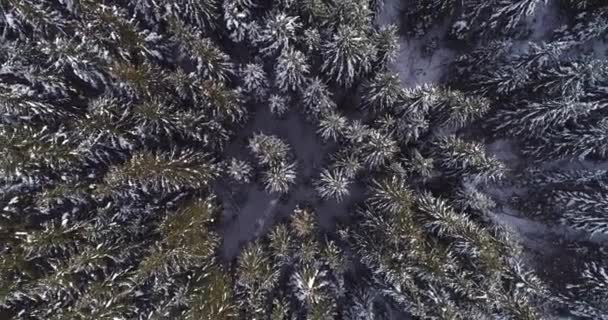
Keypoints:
pixel 421 15
pixel 378 149
pixel 533 119
pixel 579 142
pixel 581 210
pixel 238 20
pixel 466 160
pixel 332 126
pixel 458 110
pixel 256 278
pixel 291 70
pixel 387 43
pixel 317 98
pixel 347 55
pixel 278 104
pixel 279 178
pixel 383 92
pixel 239 171
pixel 255 81
pixel 485 17
pixel 164 172
pixel 333 184
pixel 588 295
pixel 348 161
pixel 278 33
pixel 268 149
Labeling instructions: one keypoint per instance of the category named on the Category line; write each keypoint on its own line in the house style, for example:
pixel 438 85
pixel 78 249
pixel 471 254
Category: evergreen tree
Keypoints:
pixel 333 184
pixel 255 81
pixel 536 119
pixel 387 43
pixel 278 33
pixel 317 98
pixel 278 105
pixel 461 159
pixel 578 142
pixel 291 70
pixel 164 171
pixel 269 150
pixel 378 149
pixel 332 125
pixel 239 170
pixel 348 55
pixel 279 177
pixel 383 92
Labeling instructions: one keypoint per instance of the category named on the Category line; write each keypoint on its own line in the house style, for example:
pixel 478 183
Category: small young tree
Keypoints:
pixel 255 81
pixel 378 149
pixel 317 98
pixel 333 185
pixel 332 125
pixel 238 19
pixel 309 284
pixel 387 44
pixel 278 105
pixel 256 277
pixel 458 110
pixel 348 161
pixel 280 177
pixel 239 171
pixel 269 150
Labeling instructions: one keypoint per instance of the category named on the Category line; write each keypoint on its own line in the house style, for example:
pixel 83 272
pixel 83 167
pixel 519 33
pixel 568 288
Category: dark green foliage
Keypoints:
pixel 121 121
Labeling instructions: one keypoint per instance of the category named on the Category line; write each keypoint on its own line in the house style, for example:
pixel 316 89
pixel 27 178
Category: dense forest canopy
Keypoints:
pixel 303 160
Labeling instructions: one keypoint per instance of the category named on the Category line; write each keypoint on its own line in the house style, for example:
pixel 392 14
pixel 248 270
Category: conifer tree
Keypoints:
pixel 332 126
pixel 255 81
pixel 279 177
pixel 317 98
pixel 383 92
pixel 269 150
pixel 333 184
pixel 347 55
pixel 278 105
pixel 278 33
pixel 467 160
pixel 291 70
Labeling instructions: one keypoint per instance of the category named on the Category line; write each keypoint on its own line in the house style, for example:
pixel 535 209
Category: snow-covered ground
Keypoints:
pixel 414 66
